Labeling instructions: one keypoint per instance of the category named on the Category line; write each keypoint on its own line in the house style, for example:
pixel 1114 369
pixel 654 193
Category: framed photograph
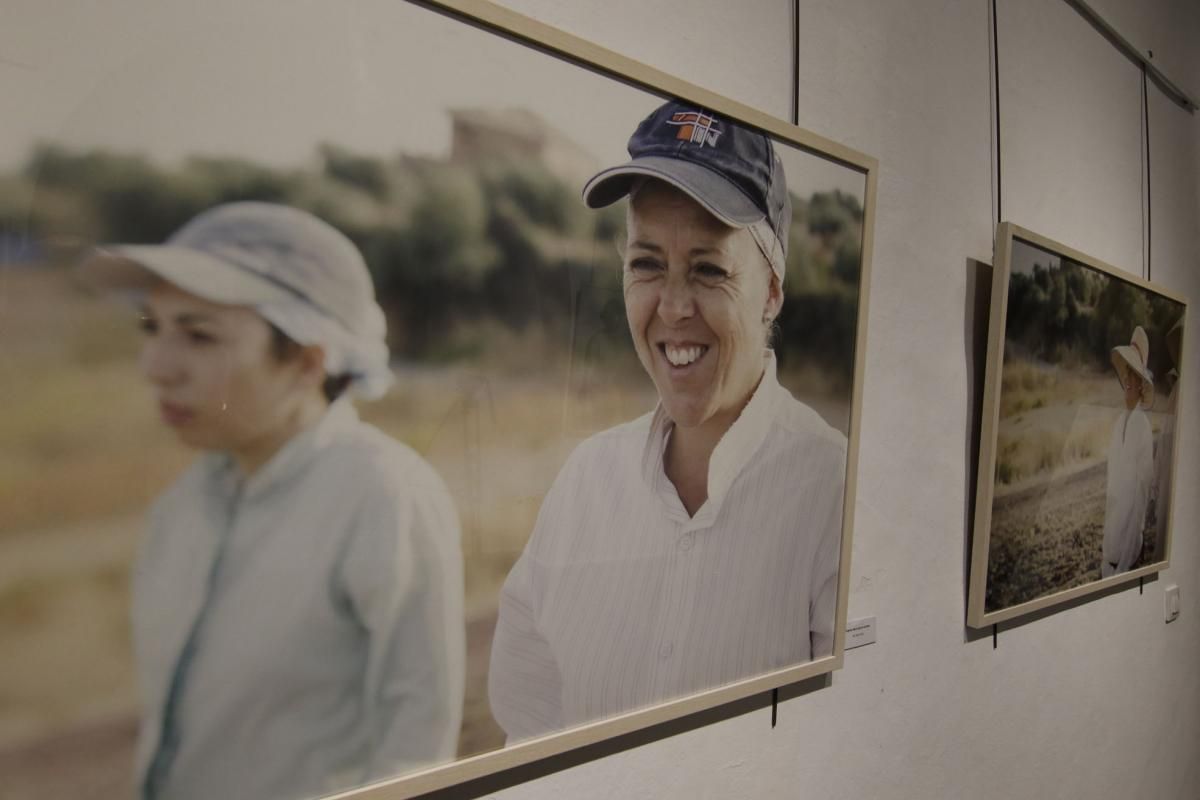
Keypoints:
pixel 1080 418
pixel 426 394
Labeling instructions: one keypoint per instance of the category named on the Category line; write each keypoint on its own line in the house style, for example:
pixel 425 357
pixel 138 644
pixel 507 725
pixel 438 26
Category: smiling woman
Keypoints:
pixel 699 544
pixel 699 299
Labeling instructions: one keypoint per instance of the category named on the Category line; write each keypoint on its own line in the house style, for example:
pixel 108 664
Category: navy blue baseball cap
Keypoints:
pixel 732 171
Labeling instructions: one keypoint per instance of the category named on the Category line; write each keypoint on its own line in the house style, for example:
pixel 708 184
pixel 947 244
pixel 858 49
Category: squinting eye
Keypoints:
pixel 199 337
pixel 644 265
pixel 711 271
pixel 147 325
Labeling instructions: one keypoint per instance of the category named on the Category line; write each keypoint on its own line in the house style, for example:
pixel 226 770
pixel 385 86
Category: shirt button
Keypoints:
pixel 686 541
pixel 665 651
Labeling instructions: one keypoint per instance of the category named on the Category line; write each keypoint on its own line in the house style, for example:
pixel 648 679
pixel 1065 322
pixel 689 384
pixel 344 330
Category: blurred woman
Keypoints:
pixel 1130 459
pixel 297 602
pixel 699 544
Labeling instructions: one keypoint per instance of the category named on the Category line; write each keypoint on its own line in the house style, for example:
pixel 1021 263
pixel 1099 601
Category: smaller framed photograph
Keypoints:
pixel 1081 410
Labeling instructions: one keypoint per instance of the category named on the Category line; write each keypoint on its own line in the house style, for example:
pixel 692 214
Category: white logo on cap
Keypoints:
pixel 695 127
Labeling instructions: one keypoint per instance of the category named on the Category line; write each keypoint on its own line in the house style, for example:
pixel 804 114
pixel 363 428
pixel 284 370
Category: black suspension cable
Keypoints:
pixel 796 62
pixel 1146 128
pixel 996 71
pixel 1142 164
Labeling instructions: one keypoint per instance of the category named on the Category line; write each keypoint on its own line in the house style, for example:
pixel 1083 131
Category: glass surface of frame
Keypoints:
pixel 1081 409
pixel 173 594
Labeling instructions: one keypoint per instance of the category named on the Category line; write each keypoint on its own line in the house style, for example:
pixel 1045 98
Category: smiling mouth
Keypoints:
pixel 682 355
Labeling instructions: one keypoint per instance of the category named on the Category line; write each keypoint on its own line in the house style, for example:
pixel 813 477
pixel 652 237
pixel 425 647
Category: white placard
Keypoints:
pixel 860 632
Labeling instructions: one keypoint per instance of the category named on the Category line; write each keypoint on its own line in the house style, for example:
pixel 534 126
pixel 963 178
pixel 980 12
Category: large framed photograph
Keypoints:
pixel 1080 417
pixel 425 394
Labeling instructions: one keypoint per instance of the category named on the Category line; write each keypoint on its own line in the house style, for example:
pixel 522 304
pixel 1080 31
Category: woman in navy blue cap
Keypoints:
pixel 297 602
pixel 698 545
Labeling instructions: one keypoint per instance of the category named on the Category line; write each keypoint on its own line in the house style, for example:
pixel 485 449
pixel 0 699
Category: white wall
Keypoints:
pixel 1101 700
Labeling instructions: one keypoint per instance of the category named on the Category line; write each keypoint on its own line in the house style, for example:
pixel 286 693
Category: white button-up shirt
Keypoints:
pixel 621 599
pixel 302 630
pixel 1127 493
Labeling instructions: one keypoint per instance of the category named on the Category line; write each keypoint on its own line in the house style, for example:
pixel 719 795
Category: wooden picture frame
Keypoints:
pixel 1055 474
pixel 848 217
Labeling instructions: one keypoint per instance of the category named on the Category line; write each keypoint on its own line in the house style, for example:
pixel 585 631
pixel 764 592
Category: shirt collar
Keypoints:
pixel 295 454
pixel 732 453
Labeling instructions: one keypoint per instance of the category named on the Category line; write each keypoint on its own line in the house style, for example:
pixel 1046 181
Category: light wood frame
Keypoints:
pixel 515 26
pixel 977 615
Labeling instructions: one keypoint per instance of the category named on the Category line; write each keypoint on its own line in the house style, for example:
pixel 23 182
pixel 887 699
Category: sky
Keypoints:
pixel 269 80
pixel 1025 255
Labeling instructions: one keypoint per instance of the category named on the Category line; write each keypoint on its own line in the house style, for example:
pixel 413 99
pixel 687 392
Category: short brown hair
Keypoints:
pixel 284 347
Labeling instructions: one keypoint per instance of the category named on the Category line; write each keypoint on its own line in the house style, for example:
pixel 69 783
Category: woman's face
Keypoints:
pixel 218 384
pixel 696 295
pixel 1132 383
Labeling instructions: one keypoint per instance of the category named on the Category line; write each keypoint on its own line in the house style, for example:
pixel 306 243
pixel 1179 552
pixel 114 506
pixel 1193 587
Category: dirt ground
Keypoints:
pixel 1047 538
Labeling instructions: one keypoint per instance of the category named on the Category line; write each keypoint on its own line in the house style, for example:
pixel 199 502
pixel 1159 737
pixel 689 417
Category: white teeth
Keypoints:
pixel 682 356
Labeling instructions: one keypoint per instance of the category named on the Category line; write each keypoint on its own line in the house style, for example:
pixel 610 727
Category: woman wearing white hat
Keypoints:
pixel 297 602
pixel 1130 459
pixel 699 544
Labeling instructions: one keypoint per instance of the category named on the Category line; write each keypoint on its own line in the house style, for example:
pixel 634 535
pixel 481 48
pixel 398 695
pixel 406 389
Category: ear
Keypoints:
pixel 774 302
pixel 310 364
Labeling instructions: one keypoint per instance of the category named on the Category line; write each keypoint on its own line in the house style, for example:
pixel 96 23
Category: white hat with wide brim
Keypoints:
pixel 1134 356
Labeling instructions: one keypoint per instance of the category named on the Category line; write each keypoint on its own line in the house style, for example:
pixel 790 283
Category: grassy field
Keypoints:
pixel 1054 421
pixel 82 453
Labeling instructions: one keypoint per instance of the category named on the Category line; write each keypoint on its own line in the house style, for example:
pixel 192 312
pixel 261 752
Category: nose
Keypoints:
pixel 676 302
pixel 158 363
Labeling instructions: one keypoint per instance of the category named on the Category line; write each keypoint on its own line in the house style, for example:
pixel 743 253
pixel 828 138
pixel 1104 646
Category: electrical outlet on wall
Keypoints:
pixel 1171 602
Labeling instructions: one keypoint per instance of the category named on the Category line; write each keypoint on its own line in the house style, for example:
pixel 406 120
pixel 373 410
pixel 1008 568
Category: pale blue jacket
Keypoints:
pixel 301 631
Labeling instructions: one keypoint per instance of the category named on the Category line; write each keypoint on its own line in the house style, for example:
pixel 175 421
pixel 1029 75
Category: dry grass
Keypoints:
pixel 1026 386
pixel 1051 419
pixel 1026 454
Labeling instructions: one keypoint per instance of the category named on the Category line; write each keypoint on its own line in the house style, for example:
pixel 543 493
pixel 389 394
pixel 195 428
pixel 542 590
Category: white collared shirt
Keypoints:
pixel 1127 490
pixel 302 630
pixel 621 600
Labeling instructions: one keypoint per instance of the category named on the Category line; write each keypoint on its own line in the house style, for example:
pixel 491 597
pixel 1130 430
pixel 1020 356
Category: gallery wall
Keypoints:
pixel 1098 700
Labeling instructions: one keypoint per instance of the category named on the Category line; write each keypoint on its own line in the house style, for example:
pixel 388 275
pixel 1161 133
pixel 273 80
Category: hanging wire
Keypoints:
pixel 996 79
pixel 1147 230
pixel 796 62
pixel 1142 177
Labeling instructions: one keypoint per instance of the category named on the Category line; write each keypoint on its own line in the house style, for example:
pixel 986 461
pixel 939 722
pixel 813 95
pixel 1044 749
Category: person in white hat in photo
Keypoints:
pixel 697 545
pixel 297 601
pixel 1130 459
